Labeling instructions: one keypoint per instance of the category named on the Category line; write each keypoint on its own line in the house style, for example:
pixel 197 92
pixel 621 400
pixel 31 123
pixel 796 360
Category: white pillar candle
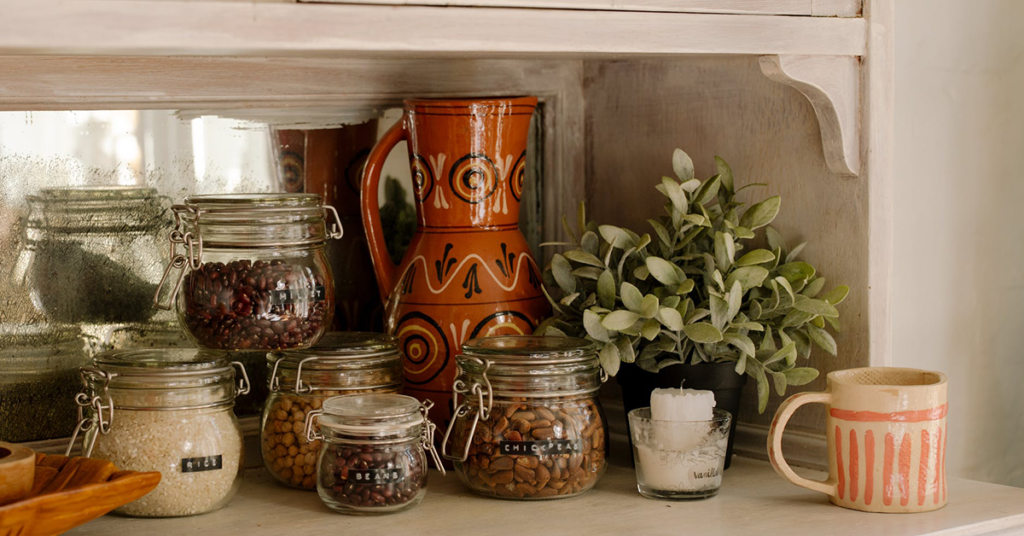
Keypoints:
pixel 671 406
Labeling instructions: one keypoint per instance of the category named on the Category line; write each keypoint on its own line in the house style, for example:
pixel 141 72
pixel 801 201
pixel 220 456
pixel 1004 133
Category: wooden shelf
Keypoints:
pixel 754 500
pixel 176 27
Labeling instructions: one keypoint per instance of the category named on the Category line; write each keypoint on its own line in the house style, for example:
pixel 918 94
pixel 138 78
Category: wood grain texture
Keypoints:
pixel 639 111
pixel 753 500
pixel 832 85
pixel 816 8
pixel 133 27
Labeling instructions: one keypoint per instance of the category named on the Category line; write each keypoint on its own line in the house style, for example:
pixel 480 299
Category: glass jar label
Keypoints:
pixel 376 476
pixel 294 295
pixel 542 447
pixel 202 463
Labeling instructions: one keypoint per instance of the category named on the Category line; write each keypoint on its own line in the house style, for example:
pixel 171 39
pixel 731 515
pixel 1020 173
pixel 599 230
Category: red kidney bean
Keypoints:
pixel 243 305
pixel 368 476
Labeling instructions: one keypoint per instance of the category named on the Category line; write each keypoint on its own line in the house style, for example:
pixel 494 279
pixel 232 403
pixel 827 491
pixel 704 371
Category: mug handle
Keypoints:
pixel 786 410
pixel 386 270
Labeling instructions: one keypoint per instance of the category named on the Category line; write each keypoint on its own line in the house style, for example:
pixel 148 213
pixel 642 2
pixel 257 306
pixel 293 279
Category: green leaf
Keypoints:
pixel 741 342
pixel 735 299
pixel 685 287
pixel 581 217
pixel 786 352
pixel 631 297
pixel 675 194
pixel 703 333
pixel 767 341
pixel 562 271
pixel 651 329
pixel 616 236
pixel 758 256
pixel 741 364
pixel 567 300
pixel 590 243
pixel 814 287
pixel 796 318
pixel 775 240
pixel 696 315
pixel 800 375
pixel 749 326
pixel 762 388
pixel 670 318
pixel 625 348
pixel 836 295
pixel 690 185
pixel 583 257
pixel 649 307
pixel 661 231
pixel 822 338
pixel 816 307
pixel 619 320
pixel 795 252
pixel 795 271
pixel 665 272
pixel 606 289
pixel 641 272
pixel 682 165
pixel 610 359
pixel 568 229
pixel 725 250
pixel 761 214
pixel 588 272
pixel 748 276
pixel 779 379
pixel 725 172
pixel 754 311
pixel 719 312
pixel 592 324
pixel 707 191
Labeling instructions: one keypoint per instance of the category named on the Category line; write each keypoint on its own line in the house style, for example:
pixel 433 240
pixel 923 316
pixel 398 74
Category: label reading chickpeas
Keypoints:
pixel 538 448
pixel 202 463
pixel 290 296
pixel 377 476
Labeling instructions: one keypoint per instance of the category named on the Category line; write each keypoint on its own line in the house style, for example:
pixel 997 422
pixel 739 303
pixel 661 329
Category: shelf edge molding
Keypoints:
pixel 832 84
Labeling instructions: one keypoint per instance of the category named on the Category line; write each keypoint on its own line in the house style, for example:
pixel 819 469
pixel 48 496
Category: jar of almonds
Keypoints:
pixel 300 381
pixel 528 424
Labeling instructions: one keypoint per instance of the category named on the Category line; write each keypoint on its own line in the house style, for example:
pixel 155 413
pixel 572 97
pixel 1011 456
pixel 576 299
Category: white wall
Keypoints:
pixel 958 299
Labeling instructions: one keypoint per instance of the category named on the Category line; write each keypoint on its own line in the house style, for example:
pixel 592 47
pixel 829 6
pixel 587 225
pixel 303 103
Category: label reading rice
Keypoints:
pixel 203 463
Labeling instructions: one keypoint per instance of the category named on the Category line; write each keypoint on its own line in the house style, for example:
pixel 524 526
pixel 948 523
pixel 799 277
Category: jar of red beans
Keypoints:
pixel 249 271
pixel 300 381
pixel 527 422
pixel 374 454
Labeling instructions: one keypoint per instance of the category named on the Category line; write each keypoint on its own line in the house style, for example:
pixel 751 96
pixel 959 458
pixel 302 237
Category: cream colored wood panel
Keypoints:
pixel 134 27
pixel 639 111
pixel 817 8
pixel 753 500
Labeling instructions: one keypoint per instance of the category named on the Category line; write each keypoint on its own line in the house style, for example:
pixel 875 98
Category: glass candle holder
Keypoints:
pixel 679 460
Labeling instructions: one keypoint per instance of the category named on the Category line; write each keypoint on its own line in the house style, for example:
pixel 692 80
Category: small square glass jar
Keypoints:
pixel 373 459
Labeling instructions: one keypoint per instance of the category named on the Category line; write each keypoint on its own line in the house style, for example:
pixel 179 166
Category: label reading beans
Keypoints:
pixel 377 476
pixel 203 463
pixel 289 296
pixel 538 448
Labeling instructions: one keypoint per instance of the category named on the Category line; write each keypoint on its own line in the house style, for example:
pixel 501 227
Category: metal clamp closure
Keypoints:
pixel 311 434
pixel 461 410
pixel 101 416
pixel 334 229
pixel 243 383
pixel 191 255
pixel 427 437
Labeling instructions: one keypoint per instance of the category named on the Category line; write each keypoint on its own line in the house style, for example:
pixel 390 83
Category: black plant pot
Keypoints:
pixel 720 378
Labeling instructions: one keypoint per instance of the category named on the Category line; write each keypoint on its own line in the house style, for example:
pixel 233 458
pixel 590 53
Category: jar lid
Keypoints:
pixel 531 349
pixel 532 366
pixel 338 361
pixel 96 193
pixel 259 219
pixel 372 413
pixel 166 378
pixel 254 200
pixel 37 351
pixel 98 209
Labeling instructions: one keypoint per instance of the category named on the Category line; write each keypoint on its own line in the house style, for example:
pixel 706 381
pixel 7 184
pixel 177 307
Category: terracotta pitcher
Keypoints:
pixel 468 271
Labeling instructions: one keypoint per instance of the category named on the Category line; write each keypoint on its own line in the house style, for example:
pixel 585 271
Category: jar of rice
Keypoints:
pixel 166 410
pixel 300 380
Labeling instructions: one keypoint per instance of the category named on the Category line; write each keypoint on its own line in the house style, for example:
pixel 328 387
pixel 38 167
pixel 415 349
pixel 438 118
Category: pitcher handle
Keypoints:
pixel 387 271
pixel 786 410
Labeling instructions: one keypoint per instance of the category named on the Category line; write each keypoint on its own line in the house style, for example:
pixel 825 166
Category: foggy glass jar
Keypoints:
pixel 373 458
pixel 166 410
pixel 38 380
pixel 250 272
pixel 528 423
pixel 93 254
pixel 346 363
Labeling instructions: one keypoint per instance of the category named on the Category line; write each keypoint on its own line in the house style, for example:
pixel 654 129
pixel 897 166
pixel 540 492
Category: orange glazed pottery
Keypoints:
pixel 468 271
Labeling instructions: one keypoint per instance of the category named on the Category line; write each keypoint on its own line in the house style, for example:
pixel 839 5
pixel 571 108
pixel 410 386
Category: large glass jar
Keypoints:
pixel 373 458
pixel 93 254
pixel 38 380
pixel 528 424
pixel 301 380
pixel 251 273
pixel 166 410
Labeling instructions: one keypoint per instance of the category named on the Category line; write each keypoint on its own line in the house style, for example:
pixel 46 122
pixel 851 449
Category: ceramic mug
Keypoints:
pixel 886 430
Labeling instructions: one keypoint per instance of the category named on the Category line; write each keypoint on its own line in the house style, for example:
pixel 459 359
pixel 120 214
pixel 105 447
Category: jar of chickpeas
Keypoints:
pixel 300 380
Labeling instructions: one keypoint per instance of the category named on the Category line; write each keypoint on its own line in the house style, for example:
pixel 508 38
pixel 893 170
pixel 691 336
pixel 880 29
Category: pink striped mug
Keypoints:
pixel 886 431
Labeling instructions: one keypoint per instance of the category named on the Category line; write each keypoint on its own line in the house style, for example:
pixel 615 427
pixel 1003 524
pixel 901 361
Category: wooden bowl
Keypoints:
pixel 17 468
pixel 67 492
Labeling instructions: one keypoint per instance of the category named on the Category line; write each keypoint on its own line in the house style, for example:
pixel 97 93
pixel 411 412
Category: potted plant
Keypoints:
pixel 695 302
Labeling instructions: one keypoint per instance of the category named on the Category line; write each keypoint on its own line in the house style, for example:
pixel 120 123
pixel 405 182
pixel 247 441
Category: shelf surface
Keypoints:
pixel 177 27
pixel 753 500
